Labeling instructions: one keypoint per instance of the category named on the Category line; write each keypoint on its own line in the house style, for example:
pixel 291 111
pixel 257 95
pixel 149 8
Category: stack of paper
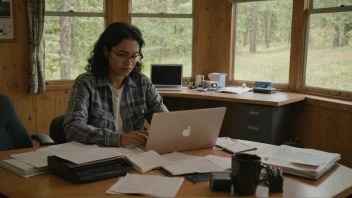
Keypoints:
pixel 235 90
pixel 35 162
pixel 149 185
pixel 308 163
pixel 22 169
pixel 233 147
pixel 147 161
pixel 34 158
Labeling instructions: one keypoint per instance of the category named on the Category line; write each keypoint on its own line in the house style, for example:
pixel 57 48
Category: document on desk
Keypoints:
pixel 233 146
pixel 34 158
pixel 223 162
pixel 176 156
pixel 147 161
pixel 223 141
pixel 235 90
pixel 129 151
pixel 22 169
pixel 307 163
pixel 87 156
pixel 199 165
pixel 149 185
pixel 67 148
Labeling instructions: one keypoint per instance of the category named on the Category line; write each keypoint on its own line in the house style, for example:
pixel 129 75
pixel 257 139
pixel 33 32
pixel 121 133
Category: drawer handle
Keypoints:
pixel 253 128
pixel 253 113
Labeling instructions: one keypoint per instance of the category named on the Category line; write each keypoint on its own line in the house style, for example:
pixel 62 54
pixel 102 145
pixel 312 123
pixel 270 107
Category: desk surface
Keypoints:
pixel 336 183
pixel 277 99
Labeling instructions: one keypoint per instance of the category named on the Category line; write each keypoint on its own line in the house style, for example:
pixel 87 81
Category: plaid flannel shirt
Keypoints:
pixel 90 119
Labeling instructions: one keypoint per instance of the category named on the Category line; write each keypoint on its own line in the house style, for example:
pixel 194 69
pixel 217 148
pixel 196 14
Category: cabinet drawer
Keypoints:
pixel 255 114
pixel 254 133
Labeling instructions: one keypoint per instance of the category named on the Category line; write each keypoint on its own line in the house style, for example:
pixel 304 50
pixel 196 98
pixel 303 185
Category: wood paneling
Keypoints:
pixel 324 129
pixel 212 36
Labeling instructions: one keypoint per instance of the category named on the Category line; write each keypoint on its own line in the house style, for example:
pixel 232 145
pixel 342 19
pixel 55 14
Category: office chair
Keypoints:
pixel 13 133
pixel 57 131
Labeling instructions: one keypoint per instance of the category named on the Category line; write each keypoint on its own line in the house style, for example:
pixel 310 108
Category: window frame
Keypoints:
pixel 58 84
pixel 170 15
pixel 232 81
pixel 304 34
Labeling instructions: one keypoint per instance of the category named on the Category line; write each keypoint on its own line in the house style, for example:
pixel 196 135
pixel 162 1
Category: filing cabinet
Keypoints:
pixel 266 124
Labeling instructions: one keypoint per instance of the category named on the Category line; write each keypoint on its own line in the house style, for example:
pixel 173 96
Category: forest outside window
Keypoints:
pixel 71 28
pixel 262 40
pixel 167 27
pixel 329 45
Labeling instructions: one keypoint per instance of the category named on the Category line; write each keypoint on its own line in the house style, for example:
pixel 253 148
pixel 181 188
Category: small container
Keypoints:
pixel 218 77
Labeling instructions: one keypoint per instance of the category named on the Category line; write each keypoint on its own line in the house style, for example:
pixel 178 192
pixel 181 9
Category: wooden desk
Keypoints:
pixel 336 183
pixel 277 99
pixel 252 116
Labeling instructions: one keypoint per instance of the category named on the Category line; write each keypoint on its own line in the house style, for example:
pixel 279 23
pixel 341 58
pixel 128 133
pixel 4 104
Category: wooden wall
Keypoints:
pixel 35 110
pixel 316 126
pixel 324 128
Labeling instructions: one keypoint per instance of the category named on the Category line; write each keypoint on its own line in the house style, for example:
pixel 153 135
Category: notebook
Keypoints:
pixel 233 146
pixel 185 130
pixel 166 76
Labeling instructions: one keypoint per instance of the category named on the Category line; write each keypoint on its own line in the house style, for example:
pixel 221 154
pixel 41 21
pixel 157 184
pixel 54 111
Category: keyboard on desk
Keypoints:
pixel 89 172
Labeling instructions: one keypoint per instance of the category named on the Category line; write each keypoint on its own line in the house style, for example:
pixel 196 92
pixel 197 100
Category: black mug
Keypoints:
pixel 245 173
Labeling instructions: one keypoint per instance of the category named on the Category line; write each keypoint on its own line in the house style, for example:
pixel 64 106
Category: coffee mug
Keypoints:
pixel 199 80
pixel 245 173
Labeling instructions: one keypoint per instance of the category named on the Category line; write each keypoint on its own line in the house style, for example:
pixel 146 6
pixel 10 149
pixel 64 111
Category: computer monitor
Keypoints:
pixel 166 76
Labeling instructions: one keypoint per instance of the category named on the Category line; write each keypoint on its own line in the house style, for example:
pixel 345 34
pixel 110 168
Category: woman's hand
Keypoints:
pixel 134 138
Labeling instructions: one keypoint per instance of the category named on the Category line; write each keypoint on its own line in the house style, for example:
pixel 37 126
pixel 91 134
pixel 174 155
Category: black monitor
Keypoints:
pixel 166 74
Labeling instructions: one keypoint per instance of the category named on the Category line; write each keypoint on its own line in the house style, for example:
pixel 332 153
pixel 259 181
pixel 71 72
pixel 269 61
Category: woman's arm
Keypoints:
pixel 154 101
pixel 75 123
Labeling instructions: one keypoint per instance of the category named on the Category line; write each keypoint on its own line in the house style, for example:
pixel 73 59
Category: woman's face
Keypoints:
pixel 123 57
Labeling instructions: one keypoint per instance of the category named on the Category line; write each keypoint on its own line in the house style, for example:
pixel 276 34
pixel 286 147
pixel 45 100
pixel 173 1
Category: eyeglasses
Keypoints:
pixel 125 57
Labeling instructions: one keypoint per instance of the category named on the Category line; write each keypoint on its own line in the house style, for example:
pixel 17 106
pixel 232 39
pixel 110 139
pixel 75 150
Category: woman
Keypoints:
pixel 109 102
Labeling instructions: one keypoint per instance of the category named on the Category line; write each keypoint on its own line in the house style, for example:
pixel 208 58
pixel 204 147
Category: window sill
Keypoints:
pixel 58 87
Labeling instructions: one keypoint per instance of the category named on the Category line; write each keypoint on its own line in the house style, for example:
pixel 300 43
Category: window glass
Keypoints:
pixel 329 51
pixel 68 41
pixel 331 3
pixel 162 6
pixel 168 41
pixel 263 41
pixel 168 38
pixel 74 5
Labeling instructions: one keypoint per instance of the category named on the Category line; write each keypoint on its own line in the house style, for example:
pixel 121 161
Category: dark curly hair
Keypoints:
pixel 113 35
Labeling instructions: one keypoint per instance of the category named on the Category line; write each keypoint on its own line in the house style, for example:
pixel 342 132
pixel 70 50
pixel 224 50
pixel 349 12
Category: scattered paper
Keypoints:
pixel 90 155
pixel 223 162
pixel 37 159
pixel 147 161
pixel 149 185
pixel 176 156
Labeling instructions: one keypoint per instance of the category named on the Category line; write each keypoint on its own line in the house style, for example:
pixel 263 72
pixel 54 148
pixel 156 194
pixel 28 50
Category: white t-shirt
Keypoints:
pixel 116 100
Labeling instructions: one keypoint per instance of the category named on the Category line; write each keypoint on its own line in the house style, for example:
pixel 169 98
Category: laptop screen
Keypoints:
pixel 163 74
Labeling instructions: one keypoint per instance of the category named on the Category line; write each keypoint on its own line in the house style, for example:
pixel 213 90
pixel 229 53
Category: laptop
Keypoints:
pixel 185 130
pixel 166 76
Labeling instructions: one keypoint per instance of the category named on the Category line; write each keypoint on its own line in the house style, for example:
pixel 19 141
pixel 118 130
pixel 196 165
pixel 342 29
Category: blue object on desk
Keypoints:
pixel 259 84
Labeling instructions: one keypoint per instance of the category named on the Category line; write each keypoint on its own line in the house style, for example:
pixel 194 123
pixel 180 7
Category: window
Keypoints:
pixel 71 28
pixel 329 45
pixel 167 27
pixel 262 40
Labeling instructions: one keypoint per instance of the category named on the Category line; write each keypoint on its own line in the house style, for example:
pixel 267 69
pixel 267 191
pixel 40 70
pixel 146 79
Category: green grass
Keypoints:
pixel 329 68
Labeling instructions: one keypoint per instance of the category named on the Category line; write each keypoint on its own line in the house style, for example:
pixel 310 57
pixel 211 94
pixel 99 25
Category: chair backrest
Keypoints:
pixel 13 133
pixel 57 131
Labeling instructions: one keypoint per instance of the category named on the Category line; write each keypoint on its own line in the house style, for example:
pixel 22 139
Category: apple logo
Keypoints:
pixel 186 132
